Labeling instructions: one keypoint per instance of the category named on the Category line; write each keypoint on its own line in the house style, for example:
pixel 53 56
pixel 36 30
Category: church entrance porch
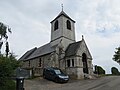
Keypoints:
pixel 85 65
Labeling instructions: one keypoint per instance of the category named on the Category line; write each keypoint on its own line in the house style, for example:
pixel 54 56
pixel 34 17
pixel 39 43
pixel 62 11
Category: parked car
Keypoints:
pixel 55 74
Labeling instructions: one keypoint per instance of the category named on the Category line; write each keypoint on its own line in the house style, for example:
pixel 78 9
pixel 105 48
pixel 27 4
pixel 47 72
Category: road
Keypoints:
pixel 103 83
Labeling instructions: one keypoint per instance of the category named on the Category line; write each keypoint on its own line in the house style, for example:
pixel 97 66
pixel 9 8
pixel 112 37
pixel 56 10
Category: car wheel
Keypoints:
pixel 56 80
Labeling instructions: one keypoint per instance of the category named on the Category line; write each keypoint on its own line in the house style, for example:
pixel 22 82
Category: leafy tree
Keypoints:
pixel 9 63
pixel 3 35
pixel 3 31
pixel 7 68
pixel 99 70
pixel 114 71
pixel 116 56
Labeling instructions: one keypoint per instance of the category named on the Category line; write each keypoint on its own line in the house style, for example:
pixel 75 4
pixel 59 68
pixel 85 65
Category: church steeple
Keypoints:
pixel 64 14
pixel 62 27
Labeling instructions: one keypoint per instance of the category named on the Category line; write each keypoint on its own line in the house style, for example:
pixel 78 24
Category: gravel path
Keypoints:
pixel 104 83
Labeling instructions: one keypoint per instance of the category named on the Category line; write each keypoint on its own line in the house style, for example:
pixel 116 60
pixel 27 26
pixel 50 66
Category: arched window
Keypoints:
pixel 29 63
pixel 68 25
pixel 39 64
pixel 56 25
pixel 85 65
pixel 68 63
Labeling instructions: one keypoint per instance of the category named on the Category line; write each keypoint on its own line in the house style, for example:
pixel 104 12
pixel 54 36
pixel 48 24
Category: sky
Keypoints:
pixel 97 20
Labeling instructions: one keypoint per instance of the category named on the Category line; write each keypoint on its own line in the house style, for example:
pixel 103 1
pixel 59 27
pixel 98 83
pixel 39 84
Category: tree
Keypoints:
pixel 3 31
pixel 116 56
pixel 8 64
pixel 7 68
pixel 99 70
pixel 114 71
pixel 3 35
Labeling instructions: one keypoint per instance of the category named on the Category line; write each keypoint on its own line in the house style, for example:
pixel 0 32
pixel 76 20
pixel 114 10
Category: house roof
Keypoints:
pixel 27 54
pixel 43 50
pixel 64 14
pixel 72 49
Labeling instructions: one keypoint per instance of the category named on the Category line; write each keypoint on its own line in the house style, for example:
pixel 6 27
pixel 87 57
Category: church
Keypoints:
pixel 73 58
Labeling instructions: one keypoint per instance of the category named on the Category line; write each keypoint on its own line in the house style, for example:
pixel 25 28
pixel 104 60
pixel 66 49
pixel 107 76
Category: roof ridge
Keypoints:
pixel 62 13
pixel 43 45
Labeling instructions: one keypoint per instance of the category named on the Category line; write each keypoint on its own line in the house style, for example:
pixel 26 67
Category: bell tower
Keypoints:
pixel 62 29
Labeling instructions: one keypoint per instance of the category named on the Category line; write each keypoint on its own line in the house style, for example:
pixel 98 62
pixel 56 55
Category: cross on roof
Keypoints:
pixel 62 6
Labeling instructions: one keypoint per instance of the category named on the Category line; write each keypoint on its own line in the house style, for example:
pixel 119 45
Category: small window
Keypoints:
pixel 56 25
pixel 68 63
pixel 72 62
pixel 29 63
pixel 60 51
pixel 39 63
pixel 68 25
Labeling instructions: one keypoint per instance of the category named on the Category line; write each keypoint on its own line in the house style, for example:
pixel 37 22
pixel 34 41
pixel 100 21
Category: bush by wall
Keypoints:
pixel 99 70
pixel 115 71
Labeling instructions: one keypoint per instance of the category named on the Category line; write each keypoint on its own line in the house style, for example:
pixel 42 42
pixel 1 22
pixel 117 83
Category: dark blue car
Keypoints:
pixel 55 74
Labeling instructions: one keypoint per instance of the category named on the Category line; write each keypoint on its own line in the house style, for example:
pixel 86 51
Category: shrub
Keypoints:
pixel 7 67
pixel 114 71
pixel 99 70
pixel 9 85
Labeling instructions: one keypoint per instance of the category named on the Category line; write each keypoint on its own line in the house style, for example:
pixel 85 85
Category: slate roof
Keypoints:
pixel 72 49
pixel 46 49
pixel 64 14
pixel 27 54
pixel 43 50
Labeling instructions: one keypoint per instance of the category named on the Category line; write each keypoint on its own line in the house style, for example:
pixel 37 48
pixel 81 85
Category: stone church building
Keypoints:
pixel 62 51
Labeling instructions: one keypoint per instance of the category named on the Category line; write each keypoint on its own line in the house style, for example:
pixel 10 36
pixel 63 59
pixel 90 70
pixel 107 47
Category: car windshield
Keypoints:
pixel 58 72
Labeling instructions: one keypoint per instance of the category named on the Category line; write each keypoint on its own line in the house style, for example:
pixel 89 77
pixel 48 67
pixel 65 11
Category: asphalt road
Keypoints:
pixel 103 83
